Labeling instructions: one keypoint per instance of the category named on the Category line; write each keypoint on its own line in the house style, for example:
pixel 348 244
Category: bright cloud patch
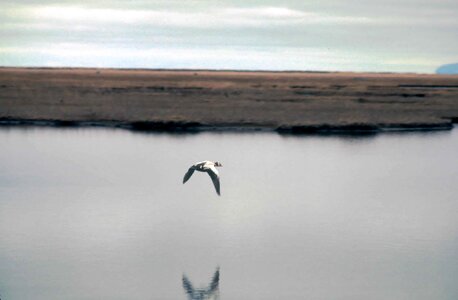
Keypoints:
pixel 92 55
pixel 235 17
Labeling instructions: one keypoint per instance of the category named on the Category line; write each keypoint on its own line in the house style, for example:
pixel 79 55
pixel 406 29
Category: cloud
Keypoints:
pixel 210 18
pixel 86 55
pixel 373 35
pixel 253 58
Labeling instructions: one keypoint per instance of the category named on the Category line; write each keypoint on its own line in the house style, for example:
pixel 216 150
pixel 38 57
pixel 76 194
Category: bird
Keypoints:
pixel 210 168
pixel 210 292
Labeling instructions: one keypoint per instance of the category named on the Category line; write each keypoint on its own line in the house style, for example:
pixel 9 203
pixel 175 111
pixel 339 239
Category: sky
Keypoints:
pixel 310 35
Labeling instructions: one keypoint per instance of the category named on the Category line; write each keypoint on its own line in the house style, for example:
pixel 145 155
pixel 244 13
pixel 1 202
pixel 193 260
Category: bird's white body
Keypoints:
pixel 205 166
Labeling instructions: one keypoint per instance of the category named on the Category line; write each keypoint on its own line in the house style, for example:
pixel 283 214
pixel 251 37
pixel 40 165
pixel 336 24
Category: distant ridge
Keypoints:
pixel 210 70
pixel 448 69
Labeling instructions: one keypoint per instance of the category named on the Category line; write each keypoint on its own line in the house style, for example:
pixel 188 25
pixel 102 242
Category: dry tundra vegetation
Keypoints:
pixel 187 100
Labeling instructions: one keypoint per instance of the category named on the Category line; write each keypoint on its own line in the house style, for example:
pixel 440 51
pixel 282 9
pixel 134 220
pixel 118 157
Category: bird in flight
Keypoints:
pixel 210 292
pixel 206 166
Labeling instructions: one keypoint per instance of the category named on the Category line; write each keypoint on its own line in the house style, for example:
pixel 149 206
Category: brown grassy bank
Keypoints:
pixel 200 100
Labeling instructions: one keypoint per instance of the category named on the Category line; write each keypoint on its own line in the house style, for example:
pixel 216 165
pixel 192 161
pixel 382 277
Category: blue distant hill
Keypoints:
pixel 448 69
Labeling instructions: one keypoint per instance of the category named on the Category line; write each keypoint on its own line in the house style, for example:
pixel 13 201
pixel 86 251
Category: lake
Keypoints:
pixel 94 213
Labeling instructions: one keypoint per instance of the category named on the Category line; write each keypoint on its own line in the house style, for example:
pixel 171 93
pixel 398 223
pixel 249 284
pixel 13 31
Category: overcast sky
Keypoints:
pixel 350 35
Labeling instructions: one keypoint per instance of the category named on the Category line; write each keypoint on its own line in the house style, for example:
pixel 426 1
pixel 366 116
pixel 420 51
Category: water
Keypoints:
pixel 102 214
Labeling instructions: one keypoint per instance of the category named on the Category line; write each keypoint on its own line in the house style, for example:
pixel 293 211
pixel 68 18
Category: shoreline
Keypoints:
pixel 183 127
pixel 287 102
pixel 214 70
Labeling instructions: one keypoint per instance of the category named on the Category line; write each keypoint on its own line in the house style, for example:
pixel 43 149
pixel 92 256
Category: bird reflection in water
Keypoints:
pixel 210 292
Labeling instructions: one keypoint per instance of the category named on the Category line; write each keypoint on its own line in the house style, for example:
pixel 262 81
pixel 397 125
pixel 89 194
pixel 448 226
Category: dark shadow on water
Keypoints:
pixel 171 127
pixel 183 129
pixel 366 135
pixel 209 292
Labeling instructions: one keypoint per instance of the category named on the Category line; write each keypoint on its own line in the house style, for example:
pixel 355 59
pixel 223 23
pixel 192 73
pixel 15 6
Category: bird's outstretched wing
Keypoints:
pixel 188 174
pixel 215 178
pixel 215 282
pixel 187 285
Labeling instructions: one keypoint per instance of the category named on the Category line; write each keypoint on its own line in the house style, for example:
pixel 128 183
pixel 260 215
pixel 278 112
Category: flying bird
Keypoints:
pixel 206 166
pixel 210 292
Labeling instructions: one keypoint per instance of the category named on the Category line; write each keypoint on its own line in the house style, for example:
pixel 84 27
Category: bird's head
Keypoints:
pixel 218 164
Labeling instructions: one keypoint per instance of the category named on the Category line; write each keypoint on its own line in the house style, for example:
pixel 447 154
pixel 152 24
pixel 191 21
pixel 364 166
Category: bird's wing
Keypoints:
pixel 200 163
pixel 188 174
pixel 215 178
pixel 215 282
pixel 187 285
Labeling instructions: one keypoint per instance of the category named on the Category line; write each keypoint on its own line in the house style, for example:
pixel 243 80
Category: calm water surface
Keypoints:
pixel 102 214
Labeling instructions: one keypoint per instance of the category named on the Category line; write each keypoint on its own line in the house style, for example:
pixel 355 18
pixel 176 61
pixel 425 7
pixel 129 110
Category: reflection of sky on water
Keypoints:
pixel 382 35
pixel 97 214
